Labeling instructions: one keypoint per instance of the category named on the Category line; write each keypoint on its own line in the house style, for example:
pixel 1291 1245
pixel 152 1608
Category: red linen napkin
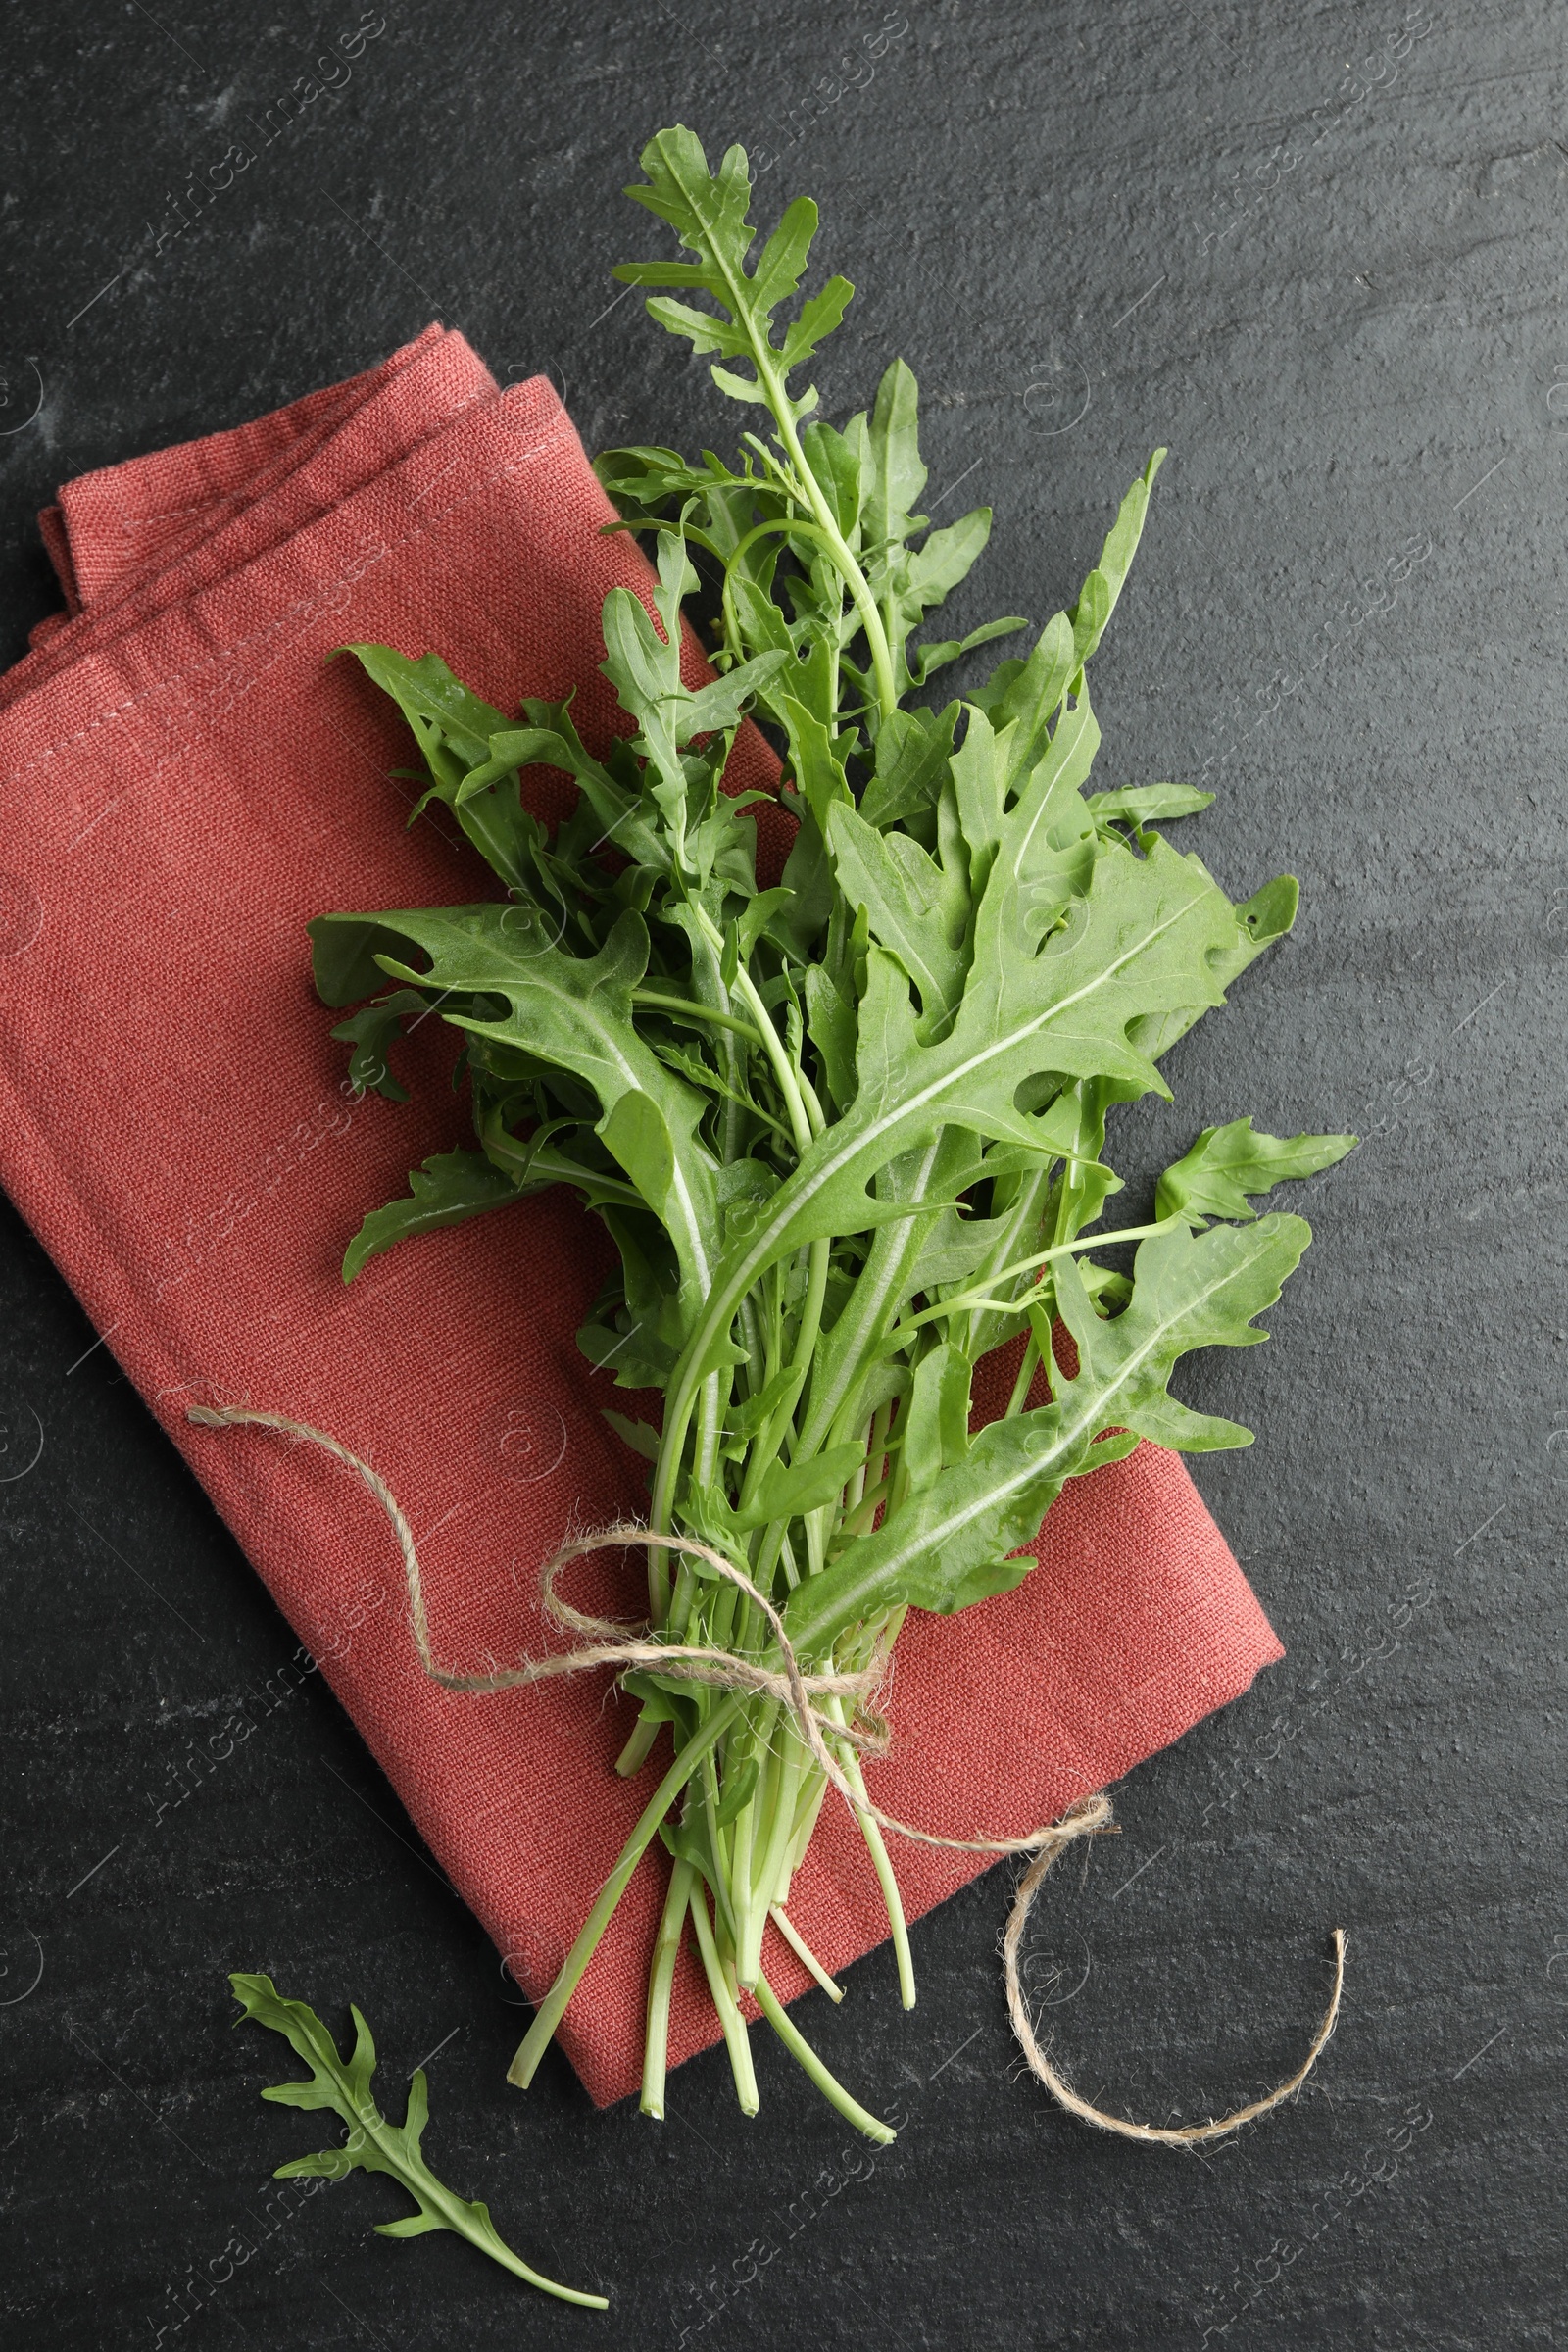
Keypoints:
pixel 187 779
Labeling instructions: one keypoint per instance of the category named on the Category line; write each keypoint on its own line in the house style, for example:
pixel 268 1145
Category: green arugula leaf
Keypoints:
pixel 1141 945
pixel 950 1540
pixel 905 580
pixel 835 461
pixel 929 659
pixel 1230 1166
pixel 574 1013
pixel 831 1025
pixel 1102 588
pixel 917 908
pixel 1146 804
pixel 707 213
pixel 936 1427
pixel 894 471
pixel 450 1187
pixel 914 755
pixel 1024 696
pixel 638 1435
pixel 374 2145
pixel 789 1489
pixel 444 713
pixel 551 739
pixel 371 1032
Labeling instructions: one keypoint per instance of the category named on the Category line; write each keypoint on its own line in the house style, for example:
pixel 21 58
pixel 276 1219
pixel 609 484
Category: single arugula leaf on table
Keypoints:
pixel 373 2145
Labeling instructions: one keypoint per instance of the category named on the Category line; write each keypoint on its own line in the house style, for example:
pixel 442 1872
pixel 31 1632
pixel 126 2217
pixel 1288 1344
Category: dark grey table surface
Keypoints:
pixel 1320 253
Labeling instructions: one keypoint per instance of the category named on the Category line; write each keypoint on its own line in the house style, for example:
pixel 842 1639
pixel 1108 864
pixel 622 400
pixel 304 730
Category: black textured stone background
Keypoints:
pixel 1319 252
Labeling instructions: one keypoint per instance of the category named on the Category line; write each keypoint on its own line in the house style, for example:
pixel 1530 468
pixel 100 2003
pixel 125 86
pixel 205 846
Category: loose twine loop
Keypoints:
pixel 608 1644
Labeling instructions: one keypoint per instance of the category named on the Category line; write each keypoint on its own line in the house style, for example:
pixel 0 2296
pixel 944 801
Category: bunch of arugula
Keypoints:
pixel 847 1131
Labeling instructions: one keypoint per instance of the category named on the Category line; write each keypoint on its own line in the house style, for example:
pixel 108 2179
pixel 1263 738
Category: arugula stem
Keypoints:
pixel 832 2090
pixel 660 1979
pixel 854 579
pixel 737 2040
pixel 881 1863
pixel 1023 1221
pixel 552 2008
pixel 783 412
pixel 789 1078
pixel 813 1795
pixel 756 1892
pixel 687 1009
pixel 721 1845
pixel 553 1168
pixel 858 1522
pixel 710 1429
pixel 1023 1266
pixel 772 1875
pixel 750 1886
pixel 670 1600
pixel 786 1553
pixel 1025 1379
pixel 856 1488
pixel 877 1449
pixel 668 1468
pixel 639 1745
pixel 803 1951
pixel 878 1292
pixel 819 1264
pixel 742 1839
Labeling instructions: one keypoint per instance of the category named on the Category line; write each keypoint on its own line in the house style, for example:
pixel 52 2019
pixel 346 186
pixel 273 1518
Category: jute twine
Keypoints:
pixel 608 1644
